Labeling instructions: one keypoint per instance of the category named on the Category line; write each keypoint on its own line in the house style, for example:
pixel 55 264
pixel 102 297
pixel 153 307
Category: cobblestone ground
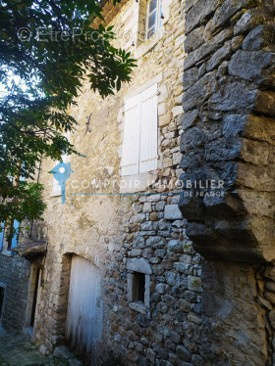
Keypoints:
pixel 17 350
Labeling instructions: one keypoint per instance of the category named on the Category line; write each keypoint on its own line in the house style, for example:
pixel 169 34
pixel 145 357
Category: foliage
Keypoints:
pixel 47 49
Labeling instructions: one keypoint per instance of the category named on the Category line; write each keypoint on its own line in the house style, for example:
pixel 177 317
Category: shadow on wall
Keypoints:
pixel 228 158
pixel 229 128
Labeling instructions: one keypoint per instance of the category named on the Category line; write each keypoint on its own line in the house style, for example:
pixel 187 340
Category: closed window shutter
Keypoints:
pixel 130 148
pixel 2 235
pixel 149 130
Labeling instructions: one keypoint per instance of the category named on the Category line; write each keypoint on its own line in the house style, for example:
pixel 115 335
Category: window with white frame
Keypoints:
pixel 140 140
pixel 154 17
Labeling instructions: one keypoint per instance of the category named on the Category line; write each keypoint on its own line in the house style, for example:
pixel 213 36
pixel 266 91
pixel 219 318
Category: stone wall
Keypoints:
pixel 228 136
pixel 201 312
pixel 14 276
pixel 110 230
pixel 229 128
pixel 164 335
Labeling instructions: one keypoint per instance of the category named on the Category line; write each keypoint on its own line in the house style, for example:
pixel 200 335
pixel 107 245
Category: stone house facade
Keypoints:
pixel 121 278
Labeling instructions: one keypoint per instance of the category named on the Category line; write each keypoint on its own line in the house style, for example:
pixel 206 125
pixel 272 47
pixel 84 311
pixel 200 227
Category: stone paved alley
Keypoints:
pixel 17 350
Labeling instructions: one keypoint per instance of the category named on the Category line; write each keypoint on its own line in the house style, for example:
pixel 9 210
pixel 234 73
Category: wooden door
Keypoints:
pixel 85 310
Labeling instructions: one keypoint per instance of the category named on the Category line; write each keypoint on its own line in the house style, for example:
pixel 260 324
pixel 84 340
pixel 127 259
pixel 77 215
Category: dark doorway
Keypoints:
pixel 2 296
pixel 35 297
pixel 33 293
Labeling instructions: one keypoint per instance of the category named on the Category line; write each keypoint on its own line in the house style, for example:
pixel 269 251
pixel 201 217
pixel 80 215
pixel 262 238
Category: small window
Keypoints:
pixel 154 17
pixel 138 287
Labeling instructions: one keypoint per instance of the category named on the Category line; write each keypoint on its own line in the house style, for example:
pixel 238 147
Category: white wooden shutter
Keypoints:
pixel 149 130
pixel 130 148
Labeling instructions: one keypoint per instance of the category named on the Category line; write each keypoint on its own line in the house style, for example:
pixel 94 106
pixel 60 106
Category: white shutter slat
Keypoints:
pixel 149 130
pixel 130 148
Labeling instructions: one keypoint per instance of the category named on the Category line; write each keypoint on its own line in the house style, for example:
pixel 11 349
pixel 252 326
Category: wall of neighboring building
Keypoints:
pixel 14 277
pixel 229 135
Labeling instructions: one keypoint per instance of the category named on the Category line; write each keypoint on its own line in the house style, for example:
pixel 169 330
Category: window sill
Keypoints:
pixel 137 183
pixel 147 45
pixel 139 307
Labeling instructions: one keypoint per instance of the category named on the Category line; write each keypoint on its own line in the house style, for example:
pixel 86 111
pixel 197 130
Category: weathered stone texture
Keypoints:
pixel 14 276
pixel 230 96
pixel 228 125
pixel 200 313
pixel 120 235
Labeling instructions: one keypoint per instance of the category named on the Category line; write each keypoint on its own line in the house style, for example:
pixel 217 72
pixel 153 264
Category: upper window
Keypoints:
pixel 154 17
pixel 140 140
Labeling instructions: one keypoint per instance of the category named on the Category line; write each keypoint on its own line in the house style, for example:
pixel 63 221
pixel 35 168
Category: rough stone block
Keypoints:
pixel 233 124
pixel 190 77
pixel 175 246
pixel 266 102
pixel 249 65
pixel 223 149
pixel 254 40
pixel 172 212
pixel 189 119
pixel 183 353
pixel 226 11
pixel 194 283
pixel 139 265
pixel 218 56
pixel 255 152
pixel 233 96
pixel 207 48
pixel 200 91
pixel 198 13
pixel 193 139
pixel 194 39
pixel 260 128
pixel 256 177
